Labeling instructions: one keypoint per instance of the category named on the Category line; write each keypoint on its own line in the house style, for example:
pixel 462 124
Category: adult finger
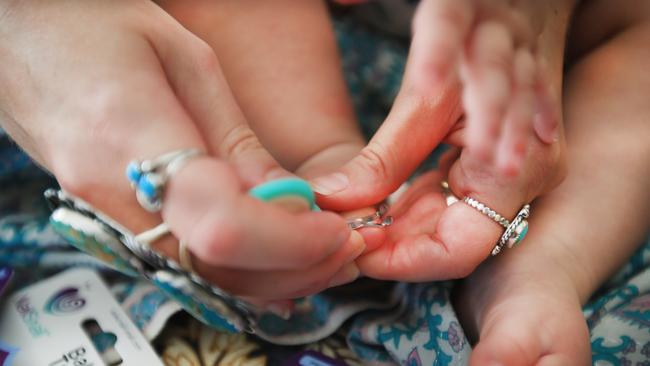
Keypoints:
pixel 223 226
pixel 285 284
pixel 415 126
pixel 424 111
pixel 195 74
pixel 206 202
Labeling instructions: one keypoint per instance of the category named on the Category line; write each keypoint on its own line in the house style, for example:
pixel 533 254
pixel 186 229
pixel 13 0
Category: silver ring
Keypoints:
pixel 149 177
pixel 378 219
pixel 450 198
pixel 515 230
pixel 148 237
pixel 185 257
pixel 484 209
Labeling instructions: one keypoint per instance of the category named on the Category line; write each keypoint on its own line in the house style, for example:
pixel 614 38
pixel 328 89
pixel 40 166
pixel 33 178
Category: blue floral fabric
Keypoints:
pixel 382 322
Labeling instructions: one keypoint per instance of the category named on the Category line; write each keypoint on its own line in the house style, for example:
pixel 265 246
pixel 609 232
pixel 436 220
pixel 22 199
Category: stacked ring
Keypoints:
pixel 515 230
pixel 184 257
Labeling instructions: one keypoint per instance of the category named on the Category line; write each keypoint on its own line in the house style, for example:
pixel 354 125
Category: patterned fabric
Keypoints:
pixel 389 323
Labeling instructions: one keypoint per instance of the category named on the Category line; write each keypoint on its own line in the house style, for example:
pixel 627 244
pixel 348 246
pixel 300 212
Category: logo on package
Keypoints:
pixel 7 354
pixel 65 301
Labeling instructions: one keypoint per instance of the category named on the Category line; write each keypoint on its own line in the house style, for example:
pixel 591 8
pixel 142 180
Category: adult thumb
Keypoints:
pixel 415 126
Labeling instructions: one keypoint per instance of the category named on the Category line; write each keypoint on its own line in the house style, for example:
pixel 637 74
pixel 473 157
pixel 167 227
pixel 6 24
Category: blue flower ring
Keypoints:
pixel 149 177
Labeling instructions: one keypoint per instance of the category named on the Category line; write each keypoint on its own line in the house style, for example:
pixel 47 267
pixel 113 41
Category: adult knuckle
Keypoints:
pixel 96 113
pixel 374 159
pixel 238 139
pixel 100 105
pixel 73 180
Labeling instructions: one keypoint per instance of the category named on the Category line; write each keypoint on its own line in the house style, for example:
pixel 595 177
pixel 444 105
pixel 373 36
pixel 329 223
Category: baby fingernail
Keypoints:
pixel 347 274
pixel 546 128
pixel 330 184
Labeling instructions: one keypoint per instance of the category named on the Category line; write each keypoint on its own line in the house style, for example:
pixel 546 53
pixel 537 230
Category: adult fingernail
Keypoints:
pixel 330 184
pixel 347 274
pixel 277 173
pixel 279 309
pixel 357 244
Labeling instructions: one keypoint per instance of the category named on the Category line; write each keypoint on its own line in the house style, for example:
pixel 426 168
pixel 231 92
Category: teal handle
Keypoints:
pixel 285 187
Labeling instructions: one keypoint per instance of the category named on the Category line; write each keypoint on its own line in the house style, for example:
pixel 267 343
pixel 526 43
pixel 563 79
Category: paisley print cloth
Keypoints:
pixel 391 323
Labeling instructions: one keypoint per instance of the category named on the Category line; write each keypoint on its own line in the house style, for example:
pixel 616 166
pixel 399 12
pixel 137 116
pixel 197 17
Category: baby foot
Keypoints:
pixel 523 316
pixel 500 50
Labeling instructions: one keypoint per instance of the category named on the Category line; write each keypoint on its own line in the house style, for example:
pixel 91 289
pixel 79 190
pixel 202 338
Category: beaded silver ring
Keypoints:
pixel 515 230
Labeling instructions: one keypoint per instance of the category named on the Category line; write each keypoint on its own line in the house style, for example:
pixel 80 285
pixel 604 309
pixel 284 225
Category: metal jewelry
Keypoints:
pixel 184 256
pixel 484 209
pixel 149 177
pixel 378 219
pixel 515 230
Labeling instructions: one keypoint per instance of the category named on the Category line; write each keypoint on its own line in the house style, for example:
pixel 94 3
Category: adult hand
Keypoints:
pixel 90 86
pixel 428 241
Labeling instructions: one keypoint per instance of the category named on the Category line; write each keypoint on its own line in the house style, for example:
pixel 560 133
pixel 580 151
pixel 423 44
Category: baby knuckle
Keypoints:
pixel 455 12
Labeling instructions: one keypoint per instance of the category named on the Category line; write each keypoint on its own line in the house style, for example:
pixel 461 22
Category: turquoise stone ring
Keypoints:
pixel 148 177
pixel 515 230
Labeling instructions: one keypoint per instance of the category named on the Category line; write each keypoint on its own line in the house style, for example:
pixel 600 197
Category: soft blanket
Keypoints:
pixel 389 323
